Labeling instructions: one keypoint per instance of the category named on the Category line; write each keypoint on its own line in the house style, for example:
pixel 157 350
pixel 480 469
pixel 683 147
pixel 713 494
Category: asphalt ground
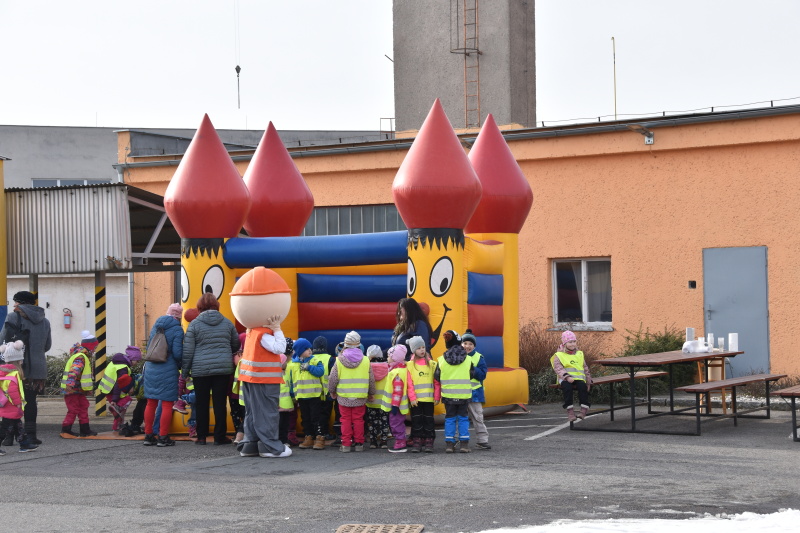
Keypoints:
pixel 536 472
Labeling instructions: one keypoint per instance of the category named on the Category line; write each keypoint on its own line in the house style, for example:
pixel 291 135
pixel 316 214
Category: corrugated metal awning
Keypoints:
pixel 88 228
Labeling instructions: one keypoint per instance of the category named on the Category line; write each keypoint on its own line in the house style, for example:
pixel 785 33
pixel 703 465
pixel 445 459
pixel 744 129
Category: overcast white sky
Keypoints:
pixel 317 64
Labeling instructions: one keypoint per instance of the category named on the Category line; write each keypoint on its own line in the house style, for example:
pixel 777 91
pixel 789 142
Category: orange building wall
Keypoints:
pixel 651 209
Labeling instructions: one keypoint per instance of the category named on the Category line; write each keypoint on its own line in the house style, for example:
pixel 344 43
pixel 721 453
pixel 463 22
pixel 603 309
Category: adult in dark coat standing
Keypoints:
pixel 208 348
pixel 161 379
pixel 27 321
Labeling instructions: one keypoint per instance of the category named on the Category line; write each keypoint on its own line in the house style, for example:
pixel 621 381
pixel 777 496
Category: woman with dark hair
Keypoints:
pixel 411 322
pixel 210 341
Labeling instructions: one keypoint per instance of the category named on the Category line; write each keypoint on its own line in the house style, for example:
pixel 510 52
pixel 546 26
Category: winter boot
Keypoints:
pixel 192 431
pixel 292 438
pixel 359 447
pixel 67 430
pixel 32 438
pixel 345 449
pixel 416 445
pixel 399 446
pixel 165 441
pixel 571 414
pixel 86 431
pixel 450 447
pixel 180 406
pixel 464 446
pixel 427 446
pixel 584 411
pixel 319 442
pixel 9 440
pixel 149 440
pixel 27 446
pixel 307 443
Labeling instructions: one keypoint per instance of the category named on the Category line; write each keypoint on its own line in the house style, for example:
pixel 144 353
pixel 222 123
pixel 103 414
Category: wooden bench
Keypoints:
pixel 793 393
pixel 707 388
pixel 620 378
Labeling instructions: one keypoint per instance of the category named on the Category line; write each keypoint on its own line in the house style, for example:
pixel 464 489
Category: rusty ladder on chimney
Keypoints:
pixel 469 47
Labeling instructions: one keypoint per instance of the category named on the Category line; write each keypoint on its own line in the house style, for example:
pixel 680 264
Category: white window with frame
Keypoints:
pixel 582 292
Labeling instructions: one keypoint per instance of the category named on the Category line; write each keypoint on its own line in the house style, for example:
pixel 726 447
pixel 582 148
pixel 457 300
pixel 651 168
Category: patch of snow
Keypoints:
pixel 707 523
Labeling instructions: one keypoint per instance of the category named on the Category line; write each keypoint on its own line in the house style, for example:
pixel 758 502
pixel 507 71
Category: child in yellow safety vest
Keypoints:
pixel 396 387
pixel 573 374
pixel 77 383
pixel 12 402
pixel 423 394
pixel 377 418
pixel 352 385
pixel 306 386
pixel 454 372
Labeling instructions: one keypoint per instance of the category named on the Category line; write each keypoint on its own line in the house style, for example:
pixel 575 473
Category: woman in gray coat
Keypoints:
pixel 208 348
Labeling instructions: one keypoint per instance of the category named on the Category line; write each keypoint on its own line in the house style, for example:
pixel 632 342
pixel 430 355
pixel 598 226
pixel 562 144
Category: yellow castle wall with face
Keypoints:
pixel 203 269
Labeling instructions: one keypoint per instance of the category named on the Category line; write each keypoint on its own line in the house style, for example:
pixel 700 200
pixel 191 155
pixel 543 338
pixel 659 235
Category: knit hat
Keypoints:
pixel 175 311
pixel 289 346
pixel 87 335
pixel 25 297
pixel 468 336
pixel 374 352
pixel 451 338
pixel 568 336
pixel 320 345
pixel 134 353
pixel 89 341
pixel 77 348
pixel 397 354
pixel 191 314
pixel 300 346
pixel 415 343
pixel 352 339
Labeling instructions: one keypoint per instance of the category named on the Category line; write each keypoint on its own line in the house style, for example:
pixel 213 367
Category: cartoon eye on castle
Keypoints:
pixel 459 257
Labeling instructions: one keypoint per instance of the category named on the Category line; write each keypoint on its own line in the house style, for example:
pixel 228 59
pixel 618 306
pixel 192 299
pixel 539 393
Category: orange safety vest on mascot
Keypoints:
pixel 258 365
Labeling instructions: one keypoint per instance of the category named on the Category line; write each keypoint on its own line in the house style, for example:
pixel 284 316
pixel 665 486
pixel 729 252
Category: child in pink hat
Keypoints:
pixel 573 374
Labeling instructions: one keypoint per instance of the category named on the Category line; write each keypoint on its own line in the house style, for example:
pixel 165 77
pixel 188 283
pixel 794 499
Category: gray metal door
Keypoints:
pixel 735 295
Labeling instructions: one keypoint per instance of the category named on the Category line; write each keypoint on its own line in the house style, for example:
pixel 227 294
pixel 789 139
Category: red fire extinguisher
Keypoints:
pixel 67 318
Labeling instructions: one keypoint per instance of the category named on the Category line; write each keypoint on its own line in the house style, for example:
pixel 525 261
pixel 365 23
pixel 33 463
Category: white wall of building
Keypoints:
pixel 74 292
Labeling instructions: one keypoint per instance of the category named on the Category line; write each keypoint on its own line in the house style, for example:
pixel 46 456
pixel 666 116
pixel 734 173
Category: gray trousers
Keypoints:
pixel 475 410
pixel 261 418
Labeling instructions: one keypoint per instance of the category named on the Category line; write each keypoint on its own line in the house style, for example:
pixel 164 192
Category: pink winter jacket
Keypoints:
pixel 12 408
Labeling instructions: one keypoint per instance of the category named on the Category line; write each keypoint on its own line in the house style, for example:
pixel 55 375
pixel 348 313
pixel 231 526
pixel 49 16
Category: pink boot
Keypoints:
pixel 399 446
pixel 584 412
pixel 571 414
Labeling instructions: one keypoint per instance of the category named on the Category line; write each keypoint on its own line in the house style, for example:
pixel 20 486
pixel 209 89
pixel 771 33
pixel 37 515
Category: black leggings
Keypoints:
pixel 422 421
pixel 206 388
pixel 583 392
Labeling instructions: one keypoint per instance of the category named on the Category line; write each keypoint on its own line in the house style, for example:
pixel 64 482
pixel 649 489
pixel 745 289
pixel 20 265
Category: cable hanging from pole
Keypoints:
pixel 237 52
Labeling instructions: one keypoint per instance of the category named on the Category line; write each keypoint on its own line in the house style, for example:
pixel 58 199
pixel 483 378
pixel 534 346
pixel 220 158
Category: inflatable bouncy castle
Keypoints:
pixel 458 257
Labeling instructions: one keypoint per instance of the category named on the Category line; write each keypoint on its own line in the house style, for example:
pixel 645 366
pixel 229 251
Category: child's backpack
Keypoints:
pixel 157 349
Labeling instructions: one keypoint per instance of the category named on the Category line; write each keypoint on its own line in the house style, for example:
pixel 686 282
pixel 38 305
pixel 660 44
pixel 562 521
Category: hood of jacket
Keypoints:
pixel 380 370
pixel 351 357
pixel 455 355
pixel 34 313
pixel 7 369
pixel 212 317
pixel 121 359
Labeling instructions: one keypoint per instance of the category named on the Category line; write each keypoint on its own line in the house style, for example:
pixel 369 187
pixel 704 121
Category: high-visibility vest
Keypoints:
pixel 285 400
pixel 380 394
pixel 236 388
pixel 306 384
pixel 5 384
pixel 422 376
pixel 326 360
pixel 87 383
pixel 455 379
pixel 353 382
pixel 257 364
pixel 110 378
pixel 476 359
pixel 572 363
pixel 388 389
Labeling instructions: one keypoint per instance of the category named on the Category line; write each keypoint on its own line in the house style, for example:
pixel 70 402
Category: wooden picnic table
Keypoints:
pixel 668 359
